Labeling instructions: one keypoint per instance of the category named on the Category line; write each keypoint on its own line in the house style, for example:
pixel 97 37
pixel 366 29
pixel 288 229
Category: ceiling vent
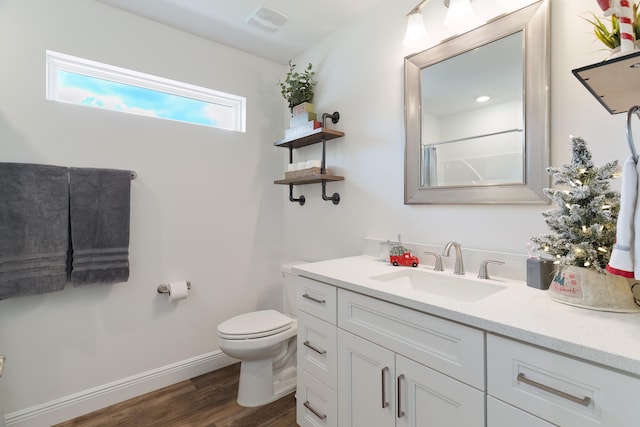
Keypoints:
pixel 267 19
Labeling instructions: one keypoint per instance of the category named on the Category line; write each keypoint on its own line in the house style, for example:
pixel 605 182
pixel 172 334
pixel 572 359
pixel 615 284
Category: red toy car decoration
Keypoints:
pixel 399 255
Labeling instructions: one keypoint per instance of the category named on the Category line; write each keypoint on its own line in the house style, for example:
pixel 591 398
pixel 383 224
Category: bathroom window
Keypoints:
pixel 92 84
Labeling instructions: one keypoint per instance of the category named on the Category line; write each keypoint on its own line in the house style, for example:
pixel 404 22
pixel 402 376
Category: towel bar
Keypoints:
pixel 164 288
pixel 632 146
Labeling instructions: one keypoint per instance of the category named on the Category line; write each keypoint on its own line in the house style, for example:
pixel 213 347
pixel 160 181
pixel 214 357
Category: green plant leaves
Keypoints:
pixel 298 87
pixel 610 37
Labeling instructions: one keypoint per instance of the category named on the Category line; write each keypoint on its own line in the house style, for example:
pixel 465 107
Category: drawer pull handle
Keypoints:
pixel 306 344
pixel 309 297
pixel 400 412
pixel 385 404
pixel 585 401
pixel 313 411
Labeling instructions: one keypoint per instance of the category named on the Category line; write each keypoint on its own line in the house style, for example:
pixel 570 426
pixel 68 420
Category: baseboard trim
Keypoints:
pixel 74 405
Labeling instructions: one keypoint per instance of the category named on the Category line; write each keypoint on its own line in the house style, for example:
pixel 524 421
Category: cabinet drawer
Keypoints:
pixel 316 404
pixel 558 388
pixel 316 298
pixel 447 347
pixel 317 348
pixel 500 414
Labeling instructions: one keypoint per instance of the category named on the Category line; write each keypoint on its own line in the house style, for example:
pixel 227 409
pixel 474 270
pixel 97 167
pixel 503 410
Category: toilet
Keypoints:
pixel 265 343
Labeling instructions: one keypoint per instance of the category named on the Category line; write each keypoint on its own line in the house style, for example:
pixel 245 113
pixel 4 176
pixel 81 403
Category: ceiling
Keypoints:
pixel 223 21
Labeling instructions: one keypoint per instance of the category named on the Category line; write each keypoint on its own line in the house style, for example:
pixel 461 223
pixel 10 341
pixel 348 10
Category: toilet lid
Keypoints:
pixel 254 325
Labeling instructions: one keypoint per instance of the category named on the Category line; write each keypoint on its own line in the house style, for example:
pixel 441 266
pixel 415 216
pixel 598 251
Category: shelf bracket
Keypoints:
pixel 335 198
pixel 300 199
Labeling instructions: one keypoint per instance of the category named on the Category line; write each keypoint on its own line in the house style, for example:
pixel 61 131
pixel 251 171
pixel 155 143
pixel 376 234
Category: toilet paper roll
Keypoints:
pixel 178 291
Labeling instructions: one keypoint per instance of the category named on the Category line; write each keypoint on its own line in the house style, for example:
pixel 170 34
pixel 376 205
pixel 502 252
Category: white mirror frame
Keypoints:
pixel 534 21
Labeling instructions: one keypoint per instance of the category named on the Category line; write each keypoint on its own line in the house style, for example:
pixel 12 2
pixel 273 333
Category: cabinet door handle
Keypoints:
pixel 385 404
pixel 585 401
pixel 309 297
pixel 313 411
pixel 400 412
pixel 317 350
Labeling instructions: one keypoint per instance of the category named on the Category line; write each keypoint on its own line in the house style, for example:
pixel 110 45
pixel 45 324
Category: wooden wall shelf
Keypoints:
pixel 614 83
pixel 321 135
pixel 311 179
pixel 312 138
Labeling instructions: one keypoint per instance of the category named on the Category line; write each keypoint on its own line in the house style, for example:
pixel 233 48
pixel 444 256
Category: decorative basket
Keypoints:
pixel 588 288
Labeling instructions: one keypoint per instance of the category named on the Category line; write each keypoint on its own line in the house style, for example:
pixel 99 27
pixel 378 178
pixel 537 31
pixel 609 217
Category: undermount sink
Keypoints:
pixel 454 287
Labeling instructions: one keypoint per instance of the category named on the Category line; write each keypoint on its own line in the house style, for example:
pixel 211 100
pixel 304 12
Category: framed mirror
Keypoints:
pixel 462 151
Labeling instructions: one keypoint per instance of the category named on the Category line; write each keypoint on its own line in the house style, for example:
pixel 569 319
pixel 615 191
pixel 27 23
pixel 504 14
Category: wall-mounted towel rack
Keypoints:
pixel 632 146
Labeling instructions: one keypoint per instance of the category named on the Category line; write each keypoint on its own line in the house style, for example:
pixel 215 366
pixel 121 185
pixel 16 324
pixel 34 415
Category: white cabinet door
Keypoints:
pixel 316 404
pixel 366 383
pixel 500 414
pixel 317 348
pixel 428 398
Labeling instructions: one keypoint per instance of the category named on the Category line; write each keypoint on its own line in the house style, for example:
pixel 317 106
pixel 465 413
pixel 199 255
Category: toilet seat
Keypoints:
pixel 253 325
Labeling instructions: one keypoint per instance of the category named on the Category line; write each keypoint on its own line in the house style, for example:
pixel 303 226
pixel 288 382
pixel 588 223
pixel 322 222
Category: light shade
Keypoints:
pixel 415 30
pixel 460 15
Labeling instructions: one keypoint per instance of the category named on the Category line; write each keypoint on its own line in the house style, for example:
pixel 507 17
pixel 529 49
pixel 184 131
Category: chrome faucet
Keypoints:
pixel 459 266
pixel 438 262
pixel 484 272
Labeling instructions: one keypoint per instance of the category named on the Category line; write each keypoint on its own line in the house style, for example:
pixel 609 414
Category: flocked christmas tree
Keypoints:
pixel 585 221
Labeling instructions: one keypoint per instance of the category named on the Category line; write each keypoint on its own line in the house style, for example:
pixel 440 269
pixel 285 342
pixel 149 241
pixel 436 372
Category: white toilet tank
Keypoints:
pixel 289 306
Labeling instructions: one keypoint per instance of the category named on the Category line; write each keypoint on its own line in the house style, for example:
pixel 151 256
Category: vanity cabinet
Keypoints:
pixel 555 388
pixel 389 365
pixel 500 414
pixel 400 367
pixel 379 387
pixel 316 397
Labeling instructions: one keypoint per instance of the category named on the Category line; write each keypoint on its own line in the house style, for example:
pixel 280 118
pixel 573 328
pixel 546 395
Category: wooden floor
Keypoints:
pixel 205 401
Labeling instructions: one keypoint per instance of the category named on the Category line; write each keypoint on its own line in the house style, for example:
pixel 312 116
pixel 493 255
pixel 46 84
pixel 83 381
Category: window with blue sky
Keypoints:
pixel 88 83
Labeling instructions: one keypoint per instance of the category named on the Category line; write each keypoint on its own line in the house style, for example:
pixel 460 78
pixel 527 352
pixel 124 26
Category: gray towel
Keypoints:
pixel 99 217
pixel 34 229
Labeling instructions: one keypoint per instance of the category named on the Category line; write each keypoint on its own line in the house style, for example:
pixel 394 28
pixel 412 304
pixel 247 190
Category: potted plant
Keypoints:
pixel 297 88
pixel 609 35
pixel 584 228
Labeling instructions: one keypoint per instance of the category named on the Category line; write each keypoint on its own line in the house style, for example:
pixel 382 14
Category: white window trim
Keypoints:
pixel 56 61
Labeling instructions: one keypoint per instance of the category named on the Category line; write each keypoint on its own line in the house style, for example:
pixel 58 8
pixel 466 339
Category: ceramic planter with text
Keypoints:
pixel 591 289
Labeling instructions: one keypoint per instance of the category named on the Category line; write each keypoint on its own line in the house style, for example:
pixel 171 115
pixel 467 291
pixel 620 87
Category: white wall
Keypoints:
pixel 204 207
pixel 360 73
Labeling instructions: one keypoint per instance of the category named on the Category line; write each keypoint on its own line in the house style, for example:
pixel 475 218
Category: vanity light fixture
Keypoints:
pixel 460 16
pixel 416 32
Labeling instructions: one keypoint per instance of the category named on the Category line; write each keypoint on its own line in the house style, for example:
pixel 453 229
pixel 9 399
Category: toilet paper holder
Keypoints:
pixel 164 288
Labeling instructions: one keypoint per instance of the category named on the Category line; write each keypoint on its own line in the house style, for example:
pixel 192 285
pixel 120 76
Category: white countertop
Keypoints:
pixel 518 312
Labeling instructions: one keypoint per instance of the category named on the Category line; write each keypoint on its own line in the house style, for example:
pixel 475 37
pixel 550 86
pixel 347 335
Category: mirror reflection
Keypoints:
pixel 460 151
pixel 475 126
